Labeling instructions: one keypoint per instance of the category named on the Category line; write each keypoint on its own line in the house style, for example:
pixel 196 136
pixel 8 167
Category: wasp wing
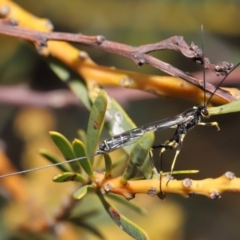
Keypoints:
pixel 162 124
pixel 128 137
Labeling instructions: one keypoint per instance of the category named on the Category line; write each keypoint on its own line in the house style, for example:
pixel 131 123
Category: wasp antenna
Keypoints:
pixel 222 82
pixel 47 166
pixel 203 63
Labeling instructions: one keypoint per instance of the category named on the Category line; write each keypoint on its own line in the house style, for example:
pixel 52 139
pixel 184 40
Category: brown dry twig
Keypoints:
pixel 23 95
pixel 137 54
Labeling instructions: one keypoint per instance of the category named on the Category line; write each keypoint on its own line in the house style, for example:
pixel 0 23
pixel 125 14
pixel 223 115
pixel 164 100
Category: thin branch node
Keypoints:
pixel 141 62
pixel 198 52
pixel 102 191
pixel 4 10
pixel 108 187
pixel 42 42
pixel 10 22
pixel 100 39
pixel 129 196
pixel 215 195
pixel 187 182
pixel 152 192
pixel 230 175
pixel 82 55
pixel 41 47
pixel 224 69
pixel 13 22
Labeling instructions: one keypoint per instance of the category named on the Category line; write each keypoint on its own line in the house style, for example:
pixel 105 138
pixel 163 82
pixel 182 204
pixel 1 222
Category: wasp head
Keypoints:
pixel 203 111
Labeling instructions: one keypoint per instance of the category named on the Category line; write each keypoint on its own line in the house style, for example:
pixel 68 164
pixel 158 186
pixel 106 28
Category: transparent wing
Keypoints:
pixel 162 124
pixel 134 134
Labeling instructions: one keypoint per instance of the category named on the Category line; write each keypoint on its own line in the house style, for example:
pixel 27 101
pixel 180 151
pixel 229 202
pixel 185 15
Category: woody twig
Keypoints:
pixel 139 55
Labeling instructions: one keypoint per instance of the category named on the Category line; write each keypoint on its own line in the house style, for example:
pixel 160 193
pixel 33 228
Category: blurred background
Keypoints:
pixel 24 127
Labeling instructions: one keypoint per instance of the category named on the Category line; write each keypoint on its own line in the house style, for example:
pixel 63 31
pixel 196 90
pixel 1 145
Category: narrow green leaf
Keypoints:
pixel 123 222
pixel 96 122
pixel 227 108
pixel 122 159
pixel 69 176
pixel 130 204
pixel 66 149
pixel 181 172
pixel 145 145
pixel 53 159
pixel 121 122
pixel 91 211
pixel 62 72
pixel 82 136
pixel 72 79
pixel 108 165
pixel 80 151
pixel 82 191
pixel 80 90
pixel 90 227
pixel 138 156
pixel 85 215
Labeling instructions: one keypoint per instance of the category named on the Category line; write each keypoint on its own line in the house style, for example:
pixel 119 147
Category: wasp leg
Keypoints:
pixel 210 124
pixel 166 146
pixel 152 162
pixel 161 195
pixel 178 146
pixel 170 144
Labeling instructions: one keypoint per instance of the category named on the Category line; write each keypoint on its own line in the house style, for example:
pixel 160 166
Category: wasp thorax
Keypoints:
pixel 103 147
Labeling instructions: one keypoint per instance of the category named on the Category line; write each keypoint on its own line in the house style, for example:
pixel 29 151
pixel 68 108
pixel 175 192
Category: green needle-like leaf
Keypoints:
pixel 130 204
pixel 82 136
pixel 53 159
pixel 120 123
pixel 80 151
pixel 227 108
pixel 123 222
pixel 91 228
pixel 66 149
pixel 138 156
pixel 72 79
pixel 108 165
pixel 69 176
pixel 96 122
pixel 82 191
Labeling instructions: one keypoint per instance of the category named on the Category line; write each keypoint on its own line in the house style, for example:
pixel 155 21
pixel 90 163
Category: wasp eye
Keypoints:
pixel 204 112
